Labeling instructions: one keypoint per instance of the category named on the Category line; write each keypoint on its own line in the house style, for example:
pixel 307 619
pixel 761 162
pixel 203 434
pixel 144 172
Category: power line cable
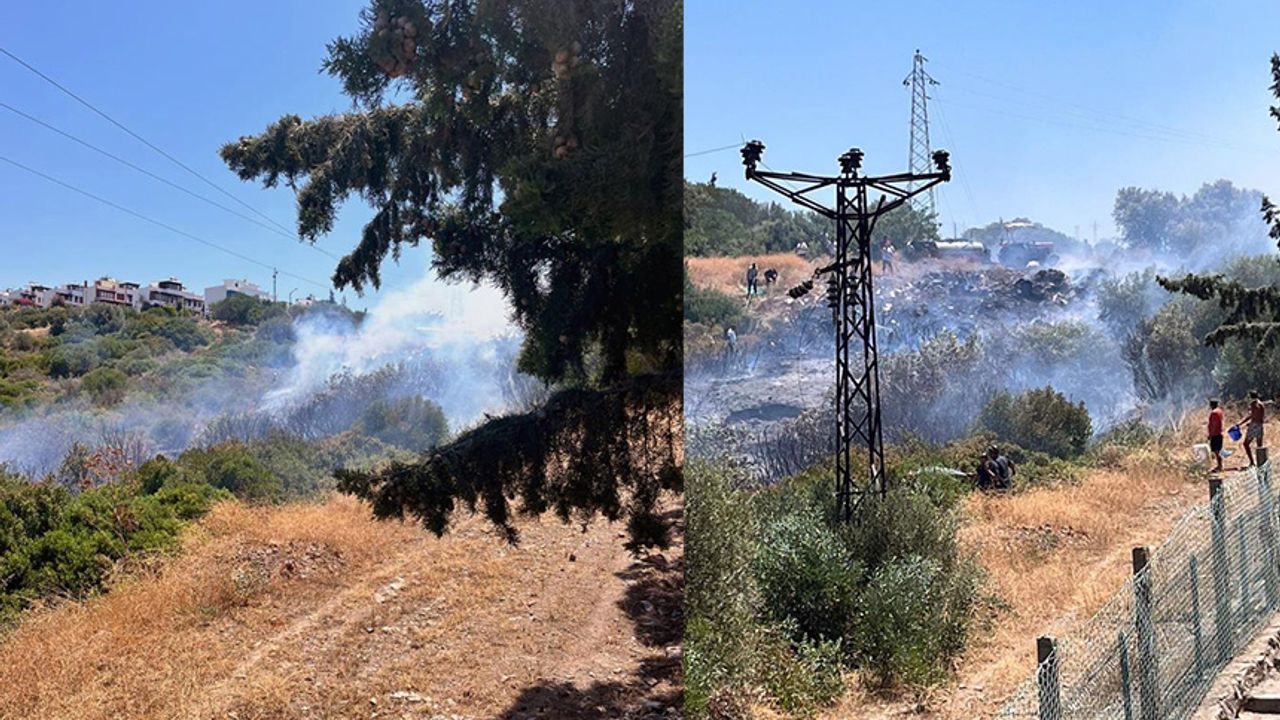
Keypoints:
pixel 964 182
pixel 138 137
pixel 164 180
pixel 712 150
pixel 158 223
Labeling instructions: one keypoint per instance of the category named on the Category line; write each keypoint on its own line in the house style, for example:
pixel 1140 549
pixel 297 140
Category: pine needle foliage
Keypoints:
pixel 534 145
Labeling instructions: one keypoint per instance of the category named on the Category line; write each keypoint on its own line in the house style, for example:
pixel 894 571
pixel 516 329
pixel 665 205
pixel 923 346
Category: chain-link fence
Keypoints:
pixel 1191 604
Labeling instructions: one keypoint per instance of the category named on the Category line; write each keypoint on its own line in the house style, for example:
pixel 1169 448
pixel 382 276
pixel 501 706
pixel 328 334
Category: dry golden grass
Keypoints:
pixel 319 611
pixel 729 274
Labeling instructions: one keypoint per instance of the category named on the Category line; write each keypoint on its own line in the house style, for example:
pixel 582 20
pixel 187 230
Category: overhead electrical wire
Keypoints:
pixel 138 137
pixel 713 150
pixel 159 178
pixel 157 223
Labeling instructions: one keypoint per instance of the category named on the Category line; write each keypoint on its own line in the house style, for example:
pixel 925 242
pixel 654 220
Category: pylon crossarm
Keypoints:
pixel 796 196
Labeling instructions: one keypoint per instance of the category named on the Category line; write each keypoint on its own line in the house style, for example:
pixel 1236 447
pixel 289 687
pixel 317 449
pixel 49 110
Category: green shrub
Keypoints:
pixel 413 423
pixel 710 307
pixel 245 310
pixel 806 577
pixel 56 543
pixel 1041 419
pixel 232 467
pixel 780 598
pixel 72 360
pixel 105 385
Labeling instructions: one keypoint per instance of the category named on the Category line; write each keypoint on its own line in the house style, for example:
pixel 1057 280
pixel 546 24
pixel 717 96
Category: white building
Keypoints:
pixel 228 288
pixel 171 293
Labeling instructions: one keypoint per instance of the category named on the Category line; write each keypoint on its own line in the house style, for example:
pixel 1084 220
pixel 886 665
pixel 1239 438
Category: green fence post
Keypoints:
pixel 1246 602
pixel 1126 693
pixel 1047 678
pixel 1221 588
pixel 1144 628
pixel 1197 638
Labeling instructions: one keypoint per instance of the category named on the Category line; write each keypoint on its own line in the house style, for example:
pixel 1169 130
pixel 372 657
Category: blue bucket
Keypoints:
pixel 1234 433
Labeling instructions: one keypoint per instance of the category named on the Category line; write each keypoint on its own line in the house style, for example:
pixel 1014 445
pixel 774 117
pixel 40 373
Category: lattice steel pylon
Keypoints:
pixel 919 153
pixel 857 378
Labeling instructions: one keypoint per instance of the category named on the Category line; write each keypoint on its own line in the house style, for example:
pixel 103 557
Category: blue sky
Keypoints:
pixel 188 77
pixel 1047 107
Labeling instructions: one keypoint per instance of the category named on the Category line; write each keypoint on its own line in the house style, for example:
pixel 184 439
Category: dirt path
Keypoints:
pixel 317 611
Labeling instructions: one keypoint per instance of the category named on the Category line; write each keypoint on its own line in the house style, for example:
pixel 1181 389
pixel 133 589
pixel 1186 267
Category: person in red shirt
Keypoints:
pixel 1215 434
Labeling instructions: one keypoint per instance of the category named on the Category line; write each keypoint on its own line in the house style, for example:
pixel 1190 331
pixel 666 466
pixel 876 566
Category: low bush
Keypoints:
pixel 105 385
pixel 56 543
pixel 1043 420
pixel 776 586
pixel 710 307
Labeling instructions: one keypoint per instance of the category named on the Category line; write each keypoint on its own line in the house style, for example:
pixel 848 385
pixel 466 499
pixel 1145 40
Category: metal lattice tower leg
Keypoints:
pixel 918 155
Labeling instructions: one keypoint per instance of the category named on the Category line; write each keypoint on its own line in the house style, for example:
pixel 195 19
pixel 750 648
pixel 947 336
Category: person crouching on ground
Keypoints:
pixel 1215 434
pixel 1255 418
pixel 1003 468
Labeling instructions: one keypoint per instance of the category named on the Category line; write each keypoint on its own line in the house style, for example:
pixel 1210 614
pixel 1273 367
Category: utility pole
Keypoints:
pixel 918 156
pixel 850 297
pixel 274 273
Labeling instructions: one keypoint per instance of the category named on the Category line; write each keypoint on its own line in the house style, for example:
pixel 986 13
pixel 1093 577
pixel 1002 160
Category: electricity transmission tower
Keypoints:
pixel 918 154
pixel 849 294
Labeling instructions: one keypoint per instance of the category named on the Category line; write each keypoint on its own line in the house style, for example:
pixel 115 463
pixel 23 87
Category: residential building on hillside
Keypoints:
pixel 228 288
pixel 172 294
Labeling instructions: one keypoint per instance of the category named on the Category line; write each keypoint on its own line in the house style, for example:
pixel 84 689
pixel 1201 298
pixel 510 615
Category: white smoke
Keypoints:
pixel 457 325
pixel 454 345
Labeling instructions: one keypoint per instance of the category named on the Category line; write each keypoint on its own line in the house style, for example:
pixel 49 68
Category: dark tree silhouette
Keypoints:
pixel 535 144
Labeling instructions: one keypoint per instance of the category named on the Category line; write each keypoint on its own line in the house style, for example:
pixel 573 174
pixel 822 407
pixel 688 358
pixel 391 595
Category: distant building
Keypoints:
pixel 171 293
pixel 228 288
pixel 35 294
pixel 103 290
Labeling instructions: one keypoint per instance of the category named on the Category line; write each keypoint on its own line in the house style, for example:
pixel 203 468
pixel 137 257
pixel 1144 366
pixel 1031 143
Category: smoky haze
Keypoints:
pixel 952 333
pixel 451 344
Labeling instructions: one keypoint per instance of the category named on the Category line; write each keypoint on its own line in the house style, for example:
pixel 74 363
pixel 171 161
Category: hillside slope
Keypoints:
pixel 315 610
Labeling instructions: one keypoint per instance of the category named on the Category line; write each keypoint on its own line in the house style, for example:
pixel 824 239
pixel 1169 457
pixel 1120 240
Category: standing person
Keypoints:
pixel 753 285
pixel 1254 418
pixel 730 342
pixel 886 258
pixel 1215 434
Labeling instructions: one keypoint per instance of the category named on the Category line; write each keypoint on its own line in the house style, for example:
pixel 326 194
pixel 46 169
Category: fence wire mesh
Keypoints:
pixel 1152 651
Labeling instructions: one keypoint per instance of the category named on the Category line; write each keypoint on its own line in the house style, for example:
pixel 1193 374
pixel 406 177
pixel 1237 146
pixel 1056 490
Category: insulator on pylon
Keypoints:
pixel 833 292
pixel 800 290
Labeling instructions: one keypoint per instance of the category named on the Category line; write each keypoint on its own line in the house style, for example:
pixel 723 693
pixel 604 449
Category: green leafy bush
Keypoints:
pixel 72 360
pixel 1043 420
pixel 413 423
pixel 233 467
pixel 776 586
pixel 105 385
pixel 806 577
pixel 710 307
pixel 241 309
pixel 55 543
